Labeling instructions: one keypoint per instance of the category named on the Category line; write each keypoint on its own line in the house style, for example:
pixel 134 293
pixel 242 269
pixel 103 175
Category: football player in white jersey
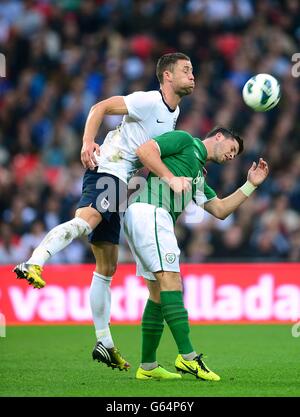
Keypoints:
pixel 146 115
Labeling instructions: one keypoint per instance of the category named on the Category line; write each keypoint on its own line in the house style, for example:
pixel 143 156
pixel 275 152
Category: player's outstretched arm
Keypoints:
pixel 113 106
pixel 149 155
pixel 221 208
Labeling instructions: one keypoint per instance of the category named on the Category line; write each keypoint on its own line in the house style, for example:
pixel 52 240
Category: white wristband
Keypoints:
pixel 248 188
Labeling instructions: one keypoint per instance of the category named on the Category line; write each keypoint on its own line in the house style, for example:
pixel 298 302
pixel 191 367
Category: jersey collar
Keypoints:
pixel 201 147
pixel 166 104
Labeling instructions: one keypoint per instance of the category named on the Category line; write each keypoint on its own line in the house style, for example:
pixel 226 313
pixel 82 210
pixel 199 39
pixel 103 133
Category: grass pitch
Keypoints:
pixel 55 361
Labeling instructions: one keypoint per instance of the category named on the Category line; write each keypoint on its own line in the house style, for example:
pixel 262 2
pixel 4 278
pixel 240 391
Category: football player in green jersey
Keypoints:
pixel 176 161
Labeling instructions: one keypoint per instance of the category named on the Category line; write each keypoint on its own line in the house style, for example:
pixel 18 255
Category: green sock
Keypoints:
pixel 177 318
pixel 152 329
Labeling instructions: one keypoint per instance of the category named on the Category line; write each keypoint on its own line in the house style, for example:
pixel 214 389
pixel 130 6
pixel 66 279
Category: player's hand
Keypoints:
pixel 179 184
pixel 87 154
pixel 258 172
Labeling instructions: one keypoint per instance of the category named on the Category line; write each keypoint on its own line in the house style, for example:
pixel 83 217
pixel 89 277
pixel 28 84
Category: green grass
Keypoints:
pixel 252 360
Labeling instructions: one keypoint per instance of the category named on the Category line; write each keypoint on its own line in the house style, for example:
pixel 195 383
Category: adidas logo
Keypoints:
pixel 103 351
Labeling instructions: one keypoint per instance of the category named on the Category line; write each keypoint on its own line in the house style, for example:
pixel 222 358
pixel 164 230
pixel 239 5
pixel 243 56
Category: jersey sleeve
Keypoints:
pixel 140 104
pixel 174 142
pixel 204 195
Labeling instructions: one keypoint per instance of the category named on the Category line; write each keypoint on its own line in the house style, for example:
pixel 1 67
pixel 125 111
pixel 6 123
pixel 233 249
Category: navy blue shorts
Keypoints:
pixel 107 194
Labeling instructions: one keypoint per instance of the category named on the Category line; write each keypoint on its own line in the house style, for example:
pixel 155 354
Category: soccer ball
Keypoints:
pixel 261 92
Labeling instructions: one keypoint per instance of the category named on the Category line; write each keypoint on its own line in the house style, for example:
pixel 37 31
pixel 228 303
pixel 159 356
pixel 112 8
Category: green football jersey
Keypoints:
pixel 185 156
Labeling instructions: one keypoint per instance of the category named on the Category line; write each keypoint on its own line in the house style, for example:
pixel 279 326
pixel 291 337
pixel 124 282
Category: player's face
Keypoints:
pixel 225 149
pixel 182 78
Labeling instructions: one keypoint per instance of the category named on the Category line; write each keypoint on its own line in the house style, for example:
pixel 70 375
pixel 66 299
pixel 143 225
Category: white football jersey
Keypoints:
pixel 148 116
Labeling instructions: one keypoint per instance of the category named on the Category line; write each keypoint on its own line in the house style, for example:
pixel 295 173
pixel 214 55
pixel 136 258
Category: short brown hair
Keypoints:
pixel 228 133
pixel 167 62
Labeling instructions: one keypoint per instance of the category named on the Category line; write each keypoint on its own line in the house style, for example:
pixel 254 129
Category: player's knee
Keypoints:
pixel 90 215
pixel 155 297
pixel 107 269
pixel 171 286
pixel 169 281
pixel 154 291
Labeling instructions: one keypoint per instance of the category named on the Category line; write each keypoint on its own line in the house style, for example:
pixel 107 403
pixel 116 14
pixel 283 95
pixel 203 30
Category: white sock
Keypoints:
pixel 148 366
pixel 58 238
pixel 100 298
pixel 189 356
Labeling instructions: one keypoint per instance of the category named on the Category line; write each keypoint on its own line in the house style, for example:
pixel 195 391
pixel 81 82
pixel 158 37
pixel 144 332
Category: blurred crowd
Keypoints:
pixel 62 56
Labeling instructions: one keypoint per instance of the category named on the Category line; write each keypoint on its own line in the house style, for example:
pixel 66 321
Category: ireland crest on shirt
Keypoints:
pixel 170 258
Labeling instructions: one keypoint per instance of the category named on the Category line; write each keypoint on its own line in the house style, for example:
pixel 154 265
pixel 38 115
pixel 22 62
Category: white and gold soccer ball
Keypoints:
pixel 261 92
